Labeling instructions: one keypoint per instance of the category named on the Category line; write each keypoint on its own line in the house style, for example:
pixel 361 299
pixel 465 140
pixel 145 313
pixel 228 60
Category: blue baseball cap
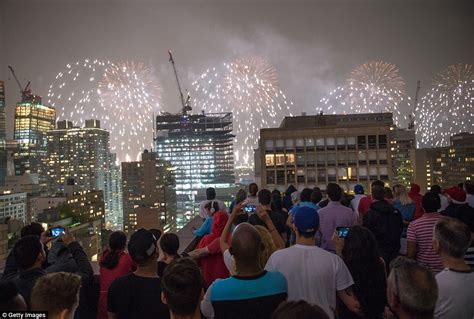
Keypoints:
pixel 359 189
pixel 306 219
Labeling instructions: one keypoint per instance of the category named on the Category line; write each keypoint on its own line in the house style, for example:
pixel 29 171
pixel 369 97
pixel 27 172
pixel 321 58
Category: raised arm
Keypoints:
pixel 223 242
pixel 277 239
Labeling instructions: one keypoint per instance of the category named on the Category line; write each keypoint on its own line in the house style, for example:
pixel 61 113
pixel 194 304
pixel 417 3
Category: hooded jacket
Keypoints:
pixel 287 202
pixel 416 197
pixel 386 223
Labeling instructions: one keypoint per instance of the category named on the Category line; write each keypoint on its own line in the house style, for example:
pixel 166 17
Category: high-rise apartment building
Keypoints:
pixel 148 188
pixel 200 148
pixel 3 136
pixel 403 149
pixel 308 151
pixel 13 206
pixel 33 121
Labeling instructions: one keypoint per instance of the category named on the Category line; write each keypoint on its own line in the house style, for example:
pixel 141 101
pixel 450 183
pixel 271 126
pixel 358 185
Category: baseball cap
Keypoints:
pixel 457 194
pixel 306 219
pixel 359 189
pixel 142 245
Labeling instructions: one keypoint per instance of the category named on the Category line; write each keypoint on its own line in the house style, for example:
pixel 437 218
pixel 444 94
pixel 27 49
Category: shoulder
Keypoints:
pixel 122 281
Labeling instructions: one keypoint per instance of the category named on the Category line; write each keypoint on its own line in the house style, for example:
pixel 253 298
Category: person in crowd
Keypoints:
pixel 332 216
pixel 138 295
pixel 210 207
pixel 388 193
pixel 57 294
pixel 264 199
pixel 456 282
pixel 456 197
pixel 313 274
pixel 420 234
pixel 411 290
pixel 316 195
pixel 443 199
pixel 210 196
pixel 469 187
pixel 386 223
pixel 252 198
pixel 59 258
pixel 305 200
pixel 30 255
pixel 287 201
pixel 407 208
pixel 364 203
pixel 10 298
pixel 208 252
pixel 254 292
pixel 182 289
pixel 269 246
pixel 169 246
pixel 299 309
pixel 240 196
pixel 359 194
pixel 11 265
pixel 360 254
pixel 115 262
pixel 465 214
pixel 415 196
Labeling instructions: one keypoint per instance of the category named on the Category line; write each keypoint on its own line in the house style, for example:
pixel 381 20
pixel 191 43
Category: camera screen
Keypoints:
pixel 343 231
pixel 57 231
pixel 250 209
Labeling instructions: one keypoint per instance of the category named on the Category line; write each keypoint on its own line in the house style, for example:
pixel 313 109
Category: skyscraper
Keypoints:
pixel 200 148
pixel 3 145
pixel 32 121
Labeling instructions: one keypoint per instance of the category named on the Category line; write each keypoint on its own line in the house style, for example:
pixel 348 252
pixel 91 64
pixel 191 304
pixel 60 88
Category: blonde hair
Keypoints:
pixel 401 193
pixel 267 241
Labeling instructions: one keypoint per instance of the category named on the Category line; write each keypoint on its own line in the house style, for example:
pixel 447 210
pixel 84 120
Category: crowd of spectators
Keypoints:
pixel 392 253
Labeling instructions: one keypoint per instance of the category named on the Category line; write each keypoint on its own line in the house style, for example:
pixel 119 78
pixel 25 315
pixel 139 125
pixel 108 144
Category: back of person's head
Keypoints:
pixel 264 196
pixel 388 192
pixel 182 287
pixel 253 189
pixel 277 204
pixel 212 206
pixel 306 221
pixel 117 243
pixel 316 195
pixel 295 196
pixel 334 192
pixel 10 298
pixel 360 247
pixel 402 194
pixel 431 202
pixel 298 309
pixel 378 192
pixel 210 193
pixel 142 247
pixel 465 214
pixel 435 189
pixel 240 196
pixel 377 183
pixel 268 244
pixel 359 189
pixel 412 287
pixel 169 244
pixel 246 246
pixel 56 293
pixel 156 232
pixel 28 251
pixel 32 229
pixel 452 237
pixel 305 195
pixel 469 187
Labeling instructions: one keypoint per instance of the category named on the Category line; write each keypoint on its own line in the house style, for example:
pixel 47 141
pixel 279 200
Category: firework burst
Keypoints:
pixel 372 87
pixel 249 88
pixel 123 96
pixel 447 108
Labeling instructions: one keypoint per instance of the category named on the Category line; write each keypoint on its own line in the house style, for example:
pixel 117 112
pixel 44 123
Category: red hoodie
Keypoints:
pixel 416 197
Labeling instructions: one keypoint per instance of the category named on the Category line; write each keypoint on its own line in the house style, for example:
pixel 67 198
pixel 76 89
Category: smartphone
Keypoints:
pixel 249 209
pixel 342 231
pixel 57 231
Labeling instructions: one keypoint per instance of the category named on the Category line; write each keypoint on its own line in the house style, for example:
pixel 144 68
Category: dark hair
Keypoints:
pixel 111 256
pixel 316 195
pixel 264 197
pixel 461 185
pixel 308 234
pixel 431 202
pixel 298 309
pixel 212 204
pixel 378 183
pixel 465 213
pixel 469 187
pixel 210 193
pixel 362 258
pixel 276 200
pixel 435 189
pixel 242 218
pixel 240 196
pixel 388 192
pixel 378 193
pixel 32 229
pixel 334 192
pixel 8 293
pixel 253 189
pixel 305 195
pixel 26 251
pixel 169 243
pixel 182 285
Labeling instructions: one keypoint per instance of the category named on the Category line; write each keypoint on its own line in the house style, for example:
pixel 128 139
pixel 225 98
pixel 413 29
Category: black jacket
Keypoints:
pixel 386 223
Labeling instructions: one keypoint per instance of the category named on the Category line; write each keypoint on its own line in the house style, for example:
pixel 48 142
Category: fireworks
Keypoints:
pixel 447 108
pixel 123 96
pixel 371 87
pixel 249 88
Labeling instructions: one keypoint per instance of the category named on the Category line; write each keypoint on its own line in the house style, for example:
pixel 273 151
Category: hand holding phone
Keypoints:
pixel 250 209
pixel 342 231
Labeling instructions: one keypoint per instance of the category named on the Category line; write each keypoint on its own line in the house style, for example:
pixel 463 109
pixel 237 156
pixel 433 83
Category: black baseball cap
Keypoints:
pixel 142 245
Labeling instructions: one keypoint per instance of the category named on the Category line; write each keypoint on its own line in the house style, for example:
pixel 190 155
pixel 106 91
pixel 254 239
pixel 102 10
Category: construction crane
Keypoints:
pixel 26 94
pixel 184 104
pixel 411 123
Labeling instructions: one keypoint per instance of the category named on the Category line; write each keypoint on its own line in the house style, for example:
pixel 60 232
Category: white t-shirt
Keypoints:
pixel 229 261
pixel 313 274
pixel 202 210
pixel 355 203
pixel 455 295
pixel 470 200
pixel 444 202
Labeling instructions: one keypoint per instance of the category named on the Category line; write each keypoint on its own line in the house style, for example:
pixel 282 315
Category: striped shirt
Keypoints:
pixel 469 256
pixel 420 231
